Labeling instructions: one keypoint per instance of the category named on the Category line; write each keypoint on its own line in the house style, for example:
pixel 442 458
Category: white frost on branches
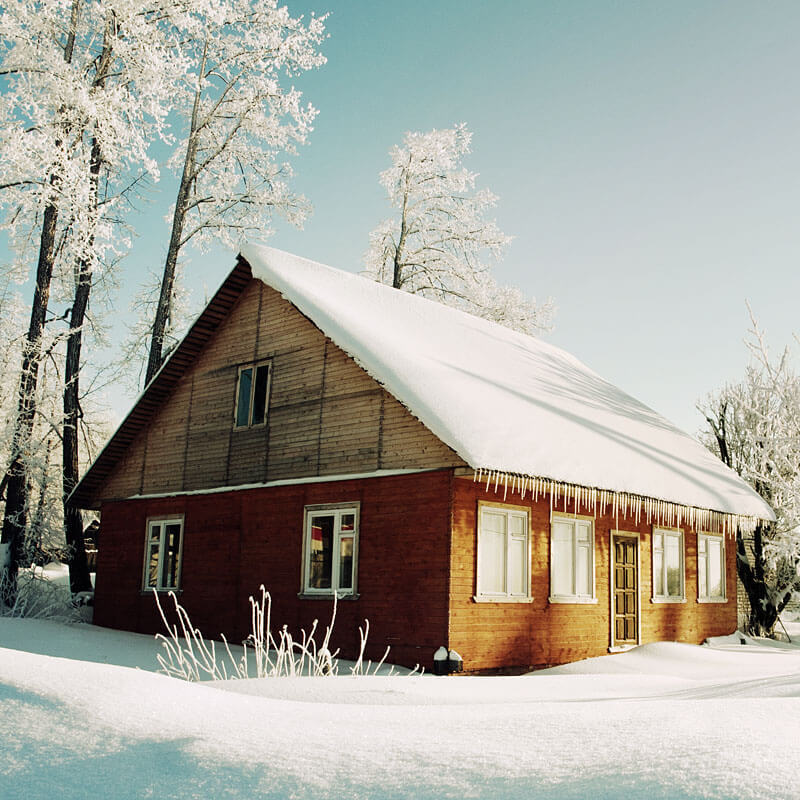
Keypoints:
pixel 240 122
pixel 240 118
pixel 754 426
pixel 78 75
pixel 440 243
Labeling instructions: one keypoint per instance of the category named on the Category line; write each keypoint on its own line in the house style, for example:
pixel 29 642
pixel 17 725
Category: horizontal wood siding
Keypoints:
pixel 326 416
pixel 235 541
pixel 494 636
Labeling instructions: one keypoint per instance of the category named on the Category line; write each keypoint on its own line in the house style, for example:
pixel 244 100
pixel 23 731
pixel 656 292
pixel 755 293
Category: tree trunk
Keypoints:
pixel 16 510
pixel 164 309
pixel 763 612
pixel 79 580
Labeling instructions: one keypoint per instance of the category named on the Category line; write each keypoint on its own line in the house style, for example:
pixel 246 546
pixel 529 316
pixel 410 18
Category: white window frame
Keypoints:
pixel 336 510
pixel 703 564
pixel 673 533
pixel 516 512
pixel 163 522
pixel 574 596
pixel 252 366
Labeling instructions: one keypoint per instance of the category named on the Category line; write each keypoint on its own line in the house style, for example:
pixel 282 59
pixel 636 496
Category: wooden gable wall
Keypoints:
pixel 326 415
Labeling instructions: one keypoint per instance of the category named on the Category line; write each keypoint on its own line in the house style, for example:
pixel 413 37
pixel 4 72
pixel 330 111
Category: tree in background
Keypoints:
pixel 439 244
pixel 240 121
pixel 754 427
pixel 84 96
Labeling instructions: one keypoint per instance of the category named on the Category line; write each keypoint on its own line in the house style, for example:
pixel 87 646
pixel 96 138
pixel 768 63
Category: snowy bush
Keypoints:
pixel 43 593
pixel 188 655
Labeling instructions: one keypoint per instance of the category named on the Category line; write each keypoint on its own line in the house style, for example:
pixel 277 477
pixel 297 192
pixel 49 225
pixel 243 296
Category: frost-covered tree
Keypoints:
pixel 440 242
pixel 84 94
pixel 241 121
pixel 754 427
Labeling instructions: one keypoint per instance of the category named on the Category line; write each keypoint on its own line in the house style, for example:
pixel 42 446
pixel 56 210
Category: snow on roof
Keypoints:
pixel 503 400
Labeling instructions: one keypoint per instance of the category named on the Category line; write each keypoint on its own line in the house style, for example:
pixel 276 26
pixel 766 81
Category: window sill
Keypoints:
pixel 667 599
pixel 586 601
pixel 150 591
pixel 479 598
pixel 326 596
pixel 621 648
pixel 712 599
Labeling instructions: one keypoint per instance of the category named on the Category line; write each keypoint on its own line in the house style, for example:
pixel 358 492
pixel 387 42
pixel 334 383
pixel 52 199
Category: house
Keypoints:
pixel 456 483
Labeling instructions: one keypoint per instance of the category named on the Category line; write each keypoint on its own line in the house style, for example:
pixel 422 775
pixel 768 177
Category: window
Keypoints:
pixel 710 568
pixel 162 565
pixel 331 550
pixel 252 395
pixel 571 560
pixel 503 553
pixel 668 565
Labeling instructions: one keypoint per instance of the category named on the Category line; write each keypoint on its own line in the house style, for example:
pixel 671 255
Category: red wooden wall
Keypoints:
pixel 235 541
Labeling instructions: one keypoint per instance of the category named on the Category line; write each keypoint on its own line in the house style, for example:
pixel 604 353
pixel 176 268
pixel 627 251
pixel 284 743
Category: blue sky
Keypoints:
pixel 645 154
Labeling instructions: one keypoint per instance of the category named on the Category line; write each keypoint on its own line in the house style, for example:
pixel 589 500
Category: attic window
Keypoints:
pixel 252 395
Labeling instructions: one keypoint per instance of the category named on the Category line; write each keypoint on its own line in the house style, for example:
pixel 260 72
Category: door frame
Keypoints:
pixel 617 534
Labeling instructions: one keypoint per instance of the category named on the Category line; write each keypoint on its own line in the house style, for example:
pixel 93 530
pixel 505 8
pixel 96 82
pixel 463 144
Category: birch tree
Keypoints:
pixel 241 120
pixel 440 242
pixel 754 427
pixel 84 96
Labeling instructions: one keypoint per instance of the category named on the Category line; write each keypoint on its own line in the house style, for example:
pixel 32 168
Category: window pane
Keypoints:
pixel 561 556
pixel 346 562
pixel 658 573
pixel 260 395
pixel 673 560
pixel 517 525
pixel 243 408
pixel 492 561
pixel 516 567
pixel 321 552
pixel 348 523
pixel 172 543
pixel 493 522
pixel 153 546
pixel 658 541
pixel 702 574
pixel 582 531
pixel 583 580
pixel 715 556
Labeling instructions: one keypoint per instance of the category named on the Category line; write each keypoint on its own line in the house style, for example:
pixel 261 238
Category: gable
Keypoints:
pixel 326 416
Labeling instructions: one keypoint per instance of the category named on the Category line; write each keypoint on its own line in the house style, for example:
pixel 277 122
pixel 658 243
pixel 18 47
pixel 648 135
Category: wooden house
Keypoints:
pixel 456 483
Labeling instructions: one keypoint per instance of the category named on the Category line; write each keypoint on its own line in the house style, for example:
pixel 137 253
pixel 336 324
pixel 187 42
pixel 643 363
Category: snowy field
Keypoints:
pixel 83 714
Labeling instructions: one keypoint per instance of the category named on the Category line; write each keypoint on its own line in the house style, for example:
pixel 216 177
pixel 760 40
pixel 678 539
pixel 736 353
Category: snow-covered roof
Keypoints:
pixel 502 400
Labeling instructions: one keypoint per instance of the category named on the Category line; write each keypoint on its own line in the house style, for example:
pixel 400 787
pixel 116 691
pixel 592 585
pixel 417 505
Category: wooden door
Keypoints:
pixel 626 591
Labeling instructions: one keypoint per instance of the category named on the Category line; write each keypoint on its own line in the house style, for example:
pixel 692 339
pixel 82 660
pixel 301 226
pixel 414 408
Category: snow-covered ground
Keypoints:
pixel 82 714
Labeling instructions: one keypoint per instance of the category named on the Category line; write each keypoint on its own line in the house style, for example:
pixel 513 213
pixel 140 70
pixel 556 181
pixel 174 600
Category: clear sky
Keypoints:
pixel 645 153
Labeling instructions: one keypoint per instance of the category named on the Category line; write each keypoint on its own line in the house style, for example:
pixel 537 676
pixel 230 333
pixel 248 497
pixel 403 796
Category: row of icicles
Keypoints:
pixel 571 498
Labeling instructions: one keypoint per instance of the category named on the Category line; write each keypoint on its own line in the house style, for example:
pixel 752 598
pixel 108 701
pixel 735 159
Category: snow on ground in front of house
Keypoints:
pixel 663 721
